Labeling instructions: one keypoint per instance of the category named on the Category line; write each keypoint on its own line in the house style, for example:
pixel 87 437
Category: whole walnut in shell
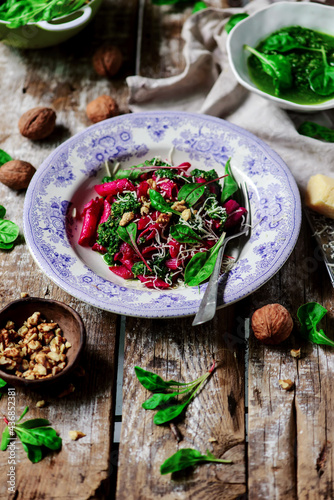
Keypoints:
pixel 16 174
pixel 272 324
pixel 37 123
pixel 107 60
pixel 101 108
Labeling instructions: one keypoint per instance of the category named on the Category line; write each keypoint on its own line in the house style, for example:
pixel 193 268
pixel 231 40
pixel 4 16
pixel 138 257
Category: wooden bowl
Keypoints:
pixel 68 320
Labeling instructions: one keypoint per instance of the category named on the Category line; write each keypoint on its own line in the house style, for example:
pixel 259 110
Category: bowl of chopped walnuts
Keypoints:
pixel 40 341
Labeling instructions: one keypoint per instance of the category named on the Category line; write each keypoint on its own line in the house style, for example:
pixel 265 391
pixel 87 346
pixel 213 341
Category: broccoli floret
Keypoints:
pixel 168 173
pixel 138 268
pixel 159 267
pixel 207 175
pixel 107 236
pixel 125 203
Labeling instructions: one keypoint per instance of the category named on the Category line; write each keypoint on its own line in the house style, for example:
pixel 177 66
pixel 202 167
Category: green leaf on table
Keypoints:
pixel 2 212
pixel 158 399
pixel 25 411
pixel 34 453
pixel 4 157
pixel 277 66
pixel 153 382
pixel 309 316
pixel 3 383
pixel 188 457
pixel 159 203
pixel 230 184
pixel 5 440
pixel 9 231
pixel 39 436
pixel 316 131
pixel 33 422
pixel 235 19
pixel 170 413
pixel 184 234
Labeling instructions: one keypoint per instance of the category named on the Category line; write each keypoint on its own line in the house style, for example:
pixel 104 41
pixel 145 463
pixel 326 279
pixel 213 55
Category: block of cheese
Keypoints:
pixel 320 195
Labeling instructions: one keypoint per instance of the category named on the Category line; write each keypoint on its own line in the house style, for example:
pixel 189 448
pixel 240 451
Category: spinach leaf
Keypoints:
pixel 4 157
pixel 322 78
pixel 310 315
pixel 235 19
pixel 3 383
pixel 159 203
pixel 170 413
pixel 158 399
pixel 5 440
pixel 2 212
pixel 230 184
pixel 191 193
pixel 132 175
pixel 184 234
pixel 9 231
pixel 34 453
pixel 201 265
pixel 153 382
pixel 277 66
pixel 283 42
pixel 34 422
pixel 316 131
pixel 188 457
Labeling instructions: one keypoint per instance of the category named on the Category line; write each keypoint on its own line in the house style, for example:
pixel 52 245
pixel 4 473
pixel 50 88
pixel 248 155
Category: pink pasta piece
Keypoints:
pixel 122 271
pixel 153 282
pixel 106 212
pixel 142 189
pixel 114 187
pixel 92 212
pixel 169 190
pixel 174 248
pixel 99 248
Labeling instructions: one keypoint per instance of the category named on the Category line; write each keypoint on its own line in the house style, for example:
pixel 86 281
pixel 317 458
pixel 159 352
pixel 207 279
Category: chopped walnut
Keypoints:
pixel 74 435
pixel 40 404
pixel 186 214
pixel 164 219
pixel 33 320
pixel 24 295
pixel 145 208
pixel 295 353
pixel 126 218
pixel 179 206
pixel 286 384
pixel 152 184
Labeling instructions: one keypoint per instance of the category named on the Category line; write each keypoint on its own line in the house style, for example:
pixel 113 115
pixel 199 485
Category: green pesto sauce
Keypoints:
pixel 302 62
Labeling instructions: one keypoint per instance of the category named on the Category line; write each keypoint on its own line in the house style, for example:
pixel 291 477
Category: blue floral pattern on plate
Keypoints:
pixel 65 181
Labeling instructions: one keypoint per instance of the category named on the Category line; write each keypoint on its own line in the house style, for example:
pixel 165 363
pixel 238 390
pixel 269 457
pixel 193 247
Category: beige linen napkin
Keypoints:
pixel 201 88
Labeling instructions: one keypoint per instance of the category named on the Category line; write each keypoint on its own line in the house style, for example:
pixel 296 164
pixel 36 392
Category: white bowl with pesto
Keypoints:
pixel 255 28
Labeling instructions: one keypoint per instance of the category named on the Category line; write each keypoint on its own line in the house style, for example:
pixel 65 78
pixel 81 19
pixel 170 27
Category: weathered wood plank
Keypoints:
pixel 63 78
pixel 174 349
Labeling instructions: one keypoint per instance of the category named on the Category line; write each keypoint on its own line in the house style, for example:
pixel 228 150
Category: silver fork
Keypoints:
pixel 207 308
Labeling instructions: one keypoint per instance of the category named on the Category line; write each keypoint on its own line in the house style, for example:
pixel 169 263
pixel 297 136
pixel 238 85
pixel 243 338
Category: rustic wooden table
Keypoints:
pixel 280 442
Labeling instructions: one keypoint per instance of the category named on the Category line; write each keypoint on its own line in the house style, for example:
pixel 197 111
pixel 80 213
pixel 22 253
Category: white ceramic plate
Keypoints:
pixel 66 179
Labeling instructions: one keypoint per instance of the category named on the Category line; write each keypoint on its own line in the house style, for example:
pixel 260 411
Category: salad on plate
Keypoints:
pixel 160 223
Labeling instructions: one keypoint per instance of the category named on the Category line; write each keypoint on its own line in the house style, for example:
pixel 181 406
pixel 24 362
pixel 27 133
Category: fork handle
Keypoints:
pixel 208 305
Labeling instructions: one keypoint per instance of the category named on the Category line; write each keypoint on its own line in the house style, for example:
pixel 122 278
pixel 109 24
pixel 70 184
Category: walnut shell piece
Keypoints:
pixel 101 108
pixel 37 123
pixel 272 324
pixel 107 60
pixel 16 174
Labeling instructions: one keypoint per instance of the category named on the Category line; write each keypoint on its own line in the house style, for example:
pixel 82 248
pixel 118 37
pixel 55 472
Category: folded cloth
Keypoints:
pixel 201 87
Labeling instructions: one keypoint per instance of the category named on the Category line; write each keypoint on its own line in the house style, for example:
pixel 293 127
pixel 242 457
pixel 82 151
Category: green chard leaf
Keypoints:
pixel 2 212
pixel 230 184
pixel 322 78
pixel 184 234
pixel 201 265
pixel 199 6
pixel 316 131
pixel 277 66
pixel 153 382
pixel 5 440
pixel 9 231
pixel 4 157
pixel 234 20
pixel 191 193
pixel 3 383
pixel 159 203
pixel 25 411
pixel 283 42
pixel 158 399
pixel 310 315
pixel 128 234
pixel 33 422
pixel 188 457
pixel 34 453
pixel 170 413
